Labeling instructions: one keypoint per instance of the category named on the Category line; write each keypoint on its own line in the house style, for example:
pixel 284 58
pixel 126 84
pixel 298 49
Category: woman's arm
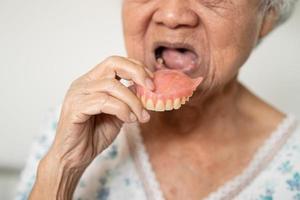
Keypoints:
pixel 55 180
pixel 94 109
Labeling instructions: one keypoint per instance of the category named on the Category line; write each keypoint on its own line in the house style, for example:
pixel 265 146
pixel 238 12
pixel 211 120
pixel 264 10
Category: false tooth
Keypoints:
pixel 159 106
pixel 183 100
pixel 169 105
pixel 177 103
pixel 150 104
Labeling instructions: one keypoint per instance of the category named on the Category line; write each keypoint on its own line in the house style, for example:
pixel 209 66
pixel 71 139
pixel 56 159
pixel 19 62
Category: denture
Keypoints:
pixel 173 89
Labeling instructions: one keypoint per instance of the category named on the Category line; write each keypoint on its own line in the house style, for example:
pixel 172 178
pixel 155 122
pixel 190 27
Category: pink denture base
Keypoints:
pixel 170 84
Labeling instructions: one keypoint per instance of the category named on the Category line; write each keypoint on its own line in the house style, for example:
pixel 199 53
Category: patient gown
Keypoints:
pixel 123 170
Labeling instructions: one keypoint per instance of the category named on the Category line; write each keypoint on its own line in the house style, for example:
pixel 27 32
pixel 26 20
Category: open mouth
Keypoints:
pixel 174 85
pixel 176 57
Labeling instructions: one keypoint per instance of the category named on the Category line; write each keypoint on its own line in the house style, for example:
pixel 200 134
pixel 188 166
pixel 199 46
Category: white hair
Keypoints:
pixel 284 8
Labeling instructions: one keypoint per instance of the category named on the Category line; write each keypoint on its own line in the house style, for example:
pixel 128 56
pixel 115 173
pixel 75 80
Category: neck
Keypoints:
pixel 223 114
pixel 201 111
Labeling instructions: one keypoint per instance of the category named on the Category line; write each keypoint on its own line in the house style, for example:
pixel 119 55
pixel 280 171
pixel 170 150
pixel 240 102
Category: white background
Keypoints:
pixel 44 45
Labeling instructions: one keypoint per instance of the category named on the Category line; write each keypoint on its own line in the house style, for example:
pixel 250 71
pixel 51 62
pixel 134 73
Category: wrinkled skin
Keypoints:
pixel 223 34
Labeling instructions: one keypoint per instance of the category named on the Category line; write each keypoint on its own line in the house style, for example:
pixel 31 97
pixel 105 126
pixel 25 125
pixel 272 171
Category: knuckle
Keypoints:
pixel 79 83
pixel 111 60
pixel 77 88
pixel 109 64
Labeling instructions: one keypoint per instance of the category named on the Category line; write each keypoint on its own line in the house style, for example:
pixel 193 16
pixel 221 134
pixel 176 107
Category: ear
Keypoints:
pixel 269 22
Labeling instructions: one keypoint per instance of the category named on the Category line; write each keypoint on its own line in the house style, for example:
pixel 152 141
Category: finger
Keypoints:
pixel 150 73
pixel 116 89
pixel 99 103
pixel 123 68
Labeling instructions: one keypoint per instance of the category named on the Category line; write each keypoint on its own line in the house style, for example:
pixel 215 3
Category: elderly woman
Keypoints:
pixel 185 128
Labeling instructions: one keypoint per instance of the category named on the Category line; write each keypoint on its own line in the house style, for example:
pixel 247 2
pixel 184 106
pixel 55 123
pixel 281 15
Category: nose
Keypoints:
pixel 175 13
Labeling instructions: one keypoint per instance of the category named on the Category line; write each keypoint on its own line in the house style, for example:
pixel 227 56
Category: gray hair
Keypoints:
pixel 284 8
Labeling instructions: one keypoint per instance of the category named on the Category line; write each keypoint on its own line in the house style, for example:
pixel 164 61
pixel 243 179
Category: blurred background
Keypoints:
pixel 44 45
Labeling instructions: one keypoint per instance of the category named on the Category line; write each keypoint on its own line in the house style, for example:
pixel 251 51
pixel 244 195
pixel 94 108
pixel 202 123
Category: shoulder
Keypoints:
pixel 280 179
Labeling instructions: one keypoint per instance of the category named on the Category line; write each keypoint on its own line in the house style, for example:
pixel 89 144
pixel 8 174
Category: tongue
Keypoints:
pixel 174 59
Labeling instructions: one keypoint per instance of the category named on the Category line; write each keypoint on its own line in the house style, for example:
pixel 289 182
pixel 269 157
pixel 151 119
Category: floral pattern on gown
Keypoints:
pixel 114 174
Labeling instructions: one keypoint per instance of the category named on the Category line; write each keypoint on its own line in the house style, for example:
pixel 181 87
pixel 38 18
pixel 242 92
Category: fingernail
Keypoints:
pixel 145 115
pixel 149 84
pixel 132 117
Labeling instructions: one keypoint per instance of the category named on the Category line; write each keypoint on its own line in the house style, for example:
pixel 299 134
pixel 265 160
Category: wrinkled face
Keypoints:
pixel 208 38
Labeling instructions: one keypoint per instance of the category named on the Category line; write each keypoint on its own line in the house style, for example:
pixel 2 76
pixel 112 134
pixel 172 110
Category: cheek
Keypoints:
pixel 134 47
pixel 231 44
pixel 135 22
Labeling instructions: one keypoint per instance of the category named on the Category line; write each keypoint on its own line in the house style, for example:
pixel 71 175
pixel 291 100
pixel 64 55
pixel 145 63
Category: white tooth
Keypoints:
pixel 177 103
pixel 159 106
pixel 183 99
pixel 169 105
pixel 187 99
pixel 150 104
pixel 160 61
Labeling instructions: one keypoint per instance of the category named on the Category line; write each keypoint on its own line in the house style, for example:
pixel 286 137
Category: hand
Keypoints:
pixel 94 109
